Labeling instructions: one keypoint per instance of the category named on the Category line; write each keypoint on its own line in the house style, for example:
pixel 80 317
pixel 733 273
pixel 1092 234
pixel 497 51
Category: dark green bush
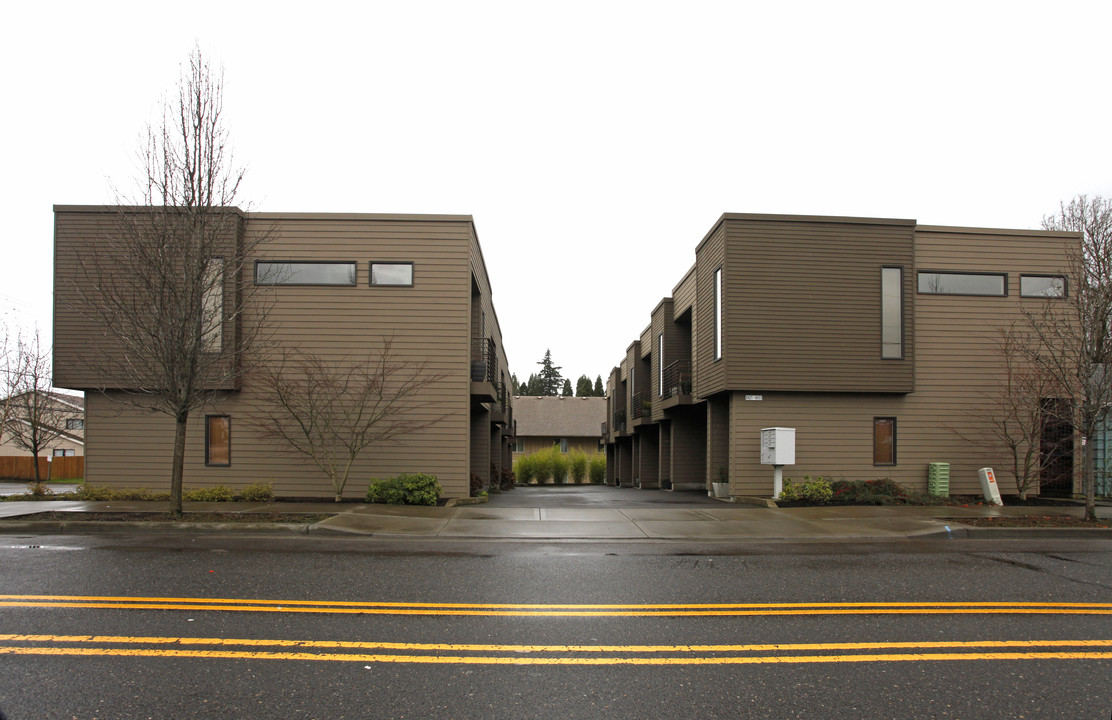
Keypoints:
pixel 405 489
pixel 868 492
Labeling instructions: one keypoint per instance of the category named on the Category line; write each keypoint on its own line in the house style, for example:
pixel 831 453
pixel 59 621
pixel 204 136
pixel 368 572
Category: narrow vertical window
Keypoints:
pixel 218 440
pixel 891 313
pixel 660 363
pixel 717 304
pixel 212 307
pixel 884 441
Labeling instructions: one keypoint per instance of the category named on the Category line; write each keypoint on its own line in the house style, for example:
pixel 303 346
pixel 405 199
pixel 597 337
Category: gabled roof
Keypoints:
pixel 559 416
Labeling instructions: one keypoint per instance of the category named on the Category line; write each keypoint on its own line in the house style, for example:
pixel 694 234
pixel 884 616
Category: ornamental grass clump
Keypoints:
pixel 577 466
pixel 597 468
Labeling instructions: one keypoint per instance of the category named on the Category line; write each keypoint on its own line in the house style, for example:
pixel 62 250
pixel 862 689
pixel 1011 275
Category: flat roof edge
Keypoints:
pixel 395 217
pixel 995 231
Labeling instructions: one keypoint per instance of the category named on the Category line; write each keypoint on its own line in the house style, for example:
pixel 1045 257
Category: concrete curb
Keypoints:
pixel 92 527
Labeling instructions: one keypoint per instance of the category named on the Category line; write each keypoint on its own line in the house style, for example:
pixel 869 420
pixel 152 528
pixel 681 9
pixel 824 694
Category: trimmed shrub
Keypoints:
pixel 107 492
pixel 868 492
pixel 508 481
pixel 405 489
pixel 258 492
pixel 216 493
pixel 815 491
pixel 597 468
pixel 577 465
pixel 477 485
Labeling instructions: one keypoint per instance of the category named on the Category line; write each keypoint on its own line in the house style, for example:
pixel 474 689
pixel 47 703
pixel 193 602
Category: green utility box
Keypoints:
pixel 938 478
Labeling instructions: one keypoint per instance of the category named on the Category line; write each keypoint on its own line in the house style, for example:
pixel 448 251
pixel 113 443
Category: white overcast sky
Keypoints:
pixel 595 143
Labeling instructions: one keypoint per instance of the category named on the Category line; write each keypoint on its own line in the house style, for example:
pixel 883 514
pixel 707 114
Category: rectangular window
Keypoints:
pixel 884 441
pixel 1042 286
pixel 64 452
pixel 392 273
pixel 75 424
pixel 212 307
pixel 563 445
pixel 218 440
pixel 660 363
pixel 304 273
pixel 717 305
pixel 519 445
pixel 891 313
pixel 952 283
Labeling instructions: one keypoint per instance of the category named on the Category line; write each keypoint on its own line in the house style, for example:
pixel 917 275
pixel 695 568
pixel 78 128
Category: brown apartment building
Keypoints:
pixel 875 339
pixel 338 284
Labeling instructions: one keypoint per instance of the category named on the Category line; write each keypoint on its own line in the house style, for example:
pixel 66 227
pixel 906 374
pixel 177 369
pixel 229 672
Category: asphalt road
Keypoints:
pixel 233 627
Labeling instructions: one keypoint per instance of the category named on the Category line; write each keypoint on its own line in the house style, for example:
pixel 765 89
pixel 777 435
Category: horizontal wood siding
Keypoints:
pixel 802 305
pixel 710 375
pixel 683 296
pixel 428 323
pixel 85 241
pixel 958 370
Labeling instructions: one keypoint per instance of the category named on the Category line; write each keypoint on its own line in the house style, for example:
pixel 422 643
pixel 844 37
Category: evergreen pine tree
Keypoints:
pixel 567 388
pixel 599 391
pixel 583 387
pixel 549 379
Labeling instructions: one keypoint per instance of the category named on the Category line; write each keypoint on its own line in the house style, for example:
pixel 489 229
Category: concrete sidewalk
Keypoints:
pixel 572 513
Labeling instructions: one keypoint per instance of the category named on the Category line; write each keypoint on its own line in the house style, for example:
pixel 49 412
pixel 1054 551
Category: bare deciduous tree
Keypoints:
pixel 1070 338
pixel 330 412
pixel 1010 422
pixel 169 284
pixel 34 417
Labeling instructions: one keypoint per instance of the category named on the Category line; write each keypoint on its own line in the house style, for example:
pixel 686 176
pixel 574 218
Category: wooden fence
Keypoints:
pixel 23 468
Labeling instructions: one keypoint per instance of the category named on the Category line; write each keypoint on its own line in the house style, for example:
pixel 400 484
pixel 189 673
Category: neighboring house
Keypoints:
pixel 69 412
pixel 875 339
pixel 418 279
pixel 572 423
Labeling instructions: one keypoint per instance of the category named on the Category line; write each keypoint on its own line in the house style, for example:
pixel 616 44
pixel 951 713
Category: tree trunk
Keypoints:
pixel 1088 481
pixel 178 471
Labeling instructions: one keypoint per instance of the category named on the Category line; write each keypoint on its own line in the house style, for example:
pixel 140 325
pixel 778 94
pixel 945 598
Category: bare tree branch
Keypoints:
pixel 330 412
pixel 169 283
pixel 1070 339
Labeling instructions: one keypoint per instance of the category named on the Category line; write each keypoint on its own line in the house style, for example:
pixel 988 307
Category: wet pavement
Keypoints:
pixel 588 512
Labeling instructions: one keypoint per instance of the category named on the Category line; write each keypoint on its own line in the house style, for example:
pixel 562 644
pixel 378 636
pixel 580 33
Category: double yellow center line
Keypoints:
pixel 471 654
pixel 543 610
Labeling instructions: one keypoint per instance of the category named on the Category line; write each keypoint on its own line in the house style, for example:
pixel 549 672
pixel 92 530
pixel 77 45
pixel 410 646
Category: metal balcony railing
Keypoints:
pixel 620 421
pixel 677 378
pixel 638 405
pixel 484 360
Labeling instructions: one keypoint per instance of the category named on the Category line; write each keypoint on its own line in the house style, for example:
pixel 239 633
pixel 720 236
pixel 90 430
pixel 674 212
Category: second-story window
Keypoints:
pixel 75 424
pixel 956 283
pixel 399 274
pixel 717 305
pixel 304 273
pixel 891 313
pixel 1044 286
pixel 660 363
pixel 212 307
